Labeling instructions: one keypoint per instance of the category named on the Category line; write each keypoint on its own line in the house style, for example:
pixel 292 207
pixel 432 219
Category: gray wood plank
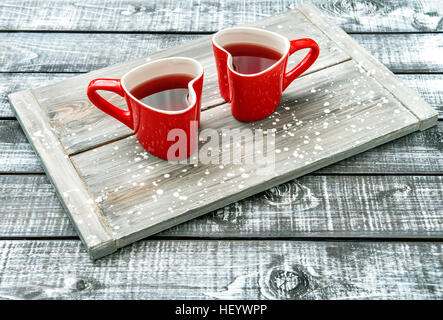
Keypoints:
pixel 82 52
pixel 428 86
pixel 384 16
pixel 30 208
pixel 412 53
pixel 309 207
pixel 13 82
pixel 223 269
pixel 78 52
pixel 417 153
pixel 211 15
pixel 409 155
pixel 16 153
pixel 81 126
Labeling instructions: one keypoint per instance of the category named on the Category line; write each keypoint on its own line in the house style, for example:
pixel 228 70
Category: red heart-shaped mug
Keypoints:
pixel 251 66
pixel 157 128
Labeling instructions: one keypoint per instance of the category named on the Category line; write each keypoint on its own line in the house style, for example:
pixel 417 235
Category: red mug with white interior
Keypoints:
pixel 251 66
pixel 164 101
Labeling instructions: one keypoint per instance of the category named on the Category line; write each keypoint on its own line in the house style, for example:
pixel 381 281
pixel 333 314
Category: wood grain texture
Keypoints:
pixel 13 82
pixel 384 16
pixel 82 52
pixel 16 153
pixel 428 86
pixel 419 153
pixel 80 140
pixel 30 208
pixel 140 195
pixel 407 156
pixel 78 52
pixel 373 67
pixel 211 15
pixel 308 207
pixel 412 53
pixel 223 270
pixel 77 201
pixel 393 205
pixel 81 126
pixel 359 118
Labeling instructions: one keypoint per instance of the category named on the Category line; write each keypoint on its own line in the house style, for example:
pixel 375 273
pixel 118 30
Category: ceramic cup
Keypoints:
pixel 152 126
pixel 255 96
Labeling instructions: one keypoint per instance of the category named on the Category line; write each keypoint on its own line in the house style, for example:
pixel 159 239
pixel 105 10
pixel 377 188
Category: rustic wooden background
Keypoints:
pixel 368 227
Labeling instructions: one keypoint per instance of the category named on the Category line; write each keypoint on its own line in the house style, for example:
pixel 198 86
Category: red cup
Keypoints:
pixel 255 96
pixel 153 126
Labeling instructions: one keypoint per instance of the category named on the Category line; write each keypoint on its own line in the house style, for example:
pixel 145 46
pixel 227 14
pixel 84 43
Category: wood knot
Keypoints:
pixel 231 215
pixel 287 282
pixel 286 193
pixel 75 285
pixel 281 283
pixel 399 192
pixel 81 285
pixel 357 7
pixel 292 193
pixel 134 10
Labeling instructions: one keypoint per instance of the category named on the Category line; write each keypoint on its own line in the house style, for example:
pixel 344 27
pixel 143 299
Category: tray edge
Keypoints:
pixel 70 188
pixel 425 114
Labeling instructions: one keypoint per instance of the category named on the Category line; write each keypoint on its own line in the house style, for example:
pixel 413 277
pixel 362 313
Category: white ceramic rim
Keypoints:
pixel 239 30
pixel 167 66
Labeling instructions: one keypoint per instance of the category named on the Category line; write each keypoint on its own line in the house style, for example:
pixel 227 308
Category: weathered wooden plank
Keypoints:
pixel 411 154
pixel 13 82
pixel 16 153
pixel 82 52
pixel 30 208
pixel 384 16
pixel 211 15
pixel 77 201
pixel 224 270
pixel 417 153
pixel 105 122
pixel 428 86
pixel 81 126
pixel 413 53
pixel 140 195
pixel 311 206
pixel 78 52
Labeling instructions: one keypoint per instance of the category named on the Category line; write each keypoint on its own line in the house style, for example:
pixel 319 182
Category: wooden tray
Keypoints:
pixel 346 103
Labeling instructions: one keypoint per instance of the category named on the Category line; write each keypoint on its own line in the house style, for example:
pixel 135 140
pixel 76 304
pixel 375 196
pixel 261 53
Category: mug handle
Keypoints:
pixel 305 63
pixel 112 85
